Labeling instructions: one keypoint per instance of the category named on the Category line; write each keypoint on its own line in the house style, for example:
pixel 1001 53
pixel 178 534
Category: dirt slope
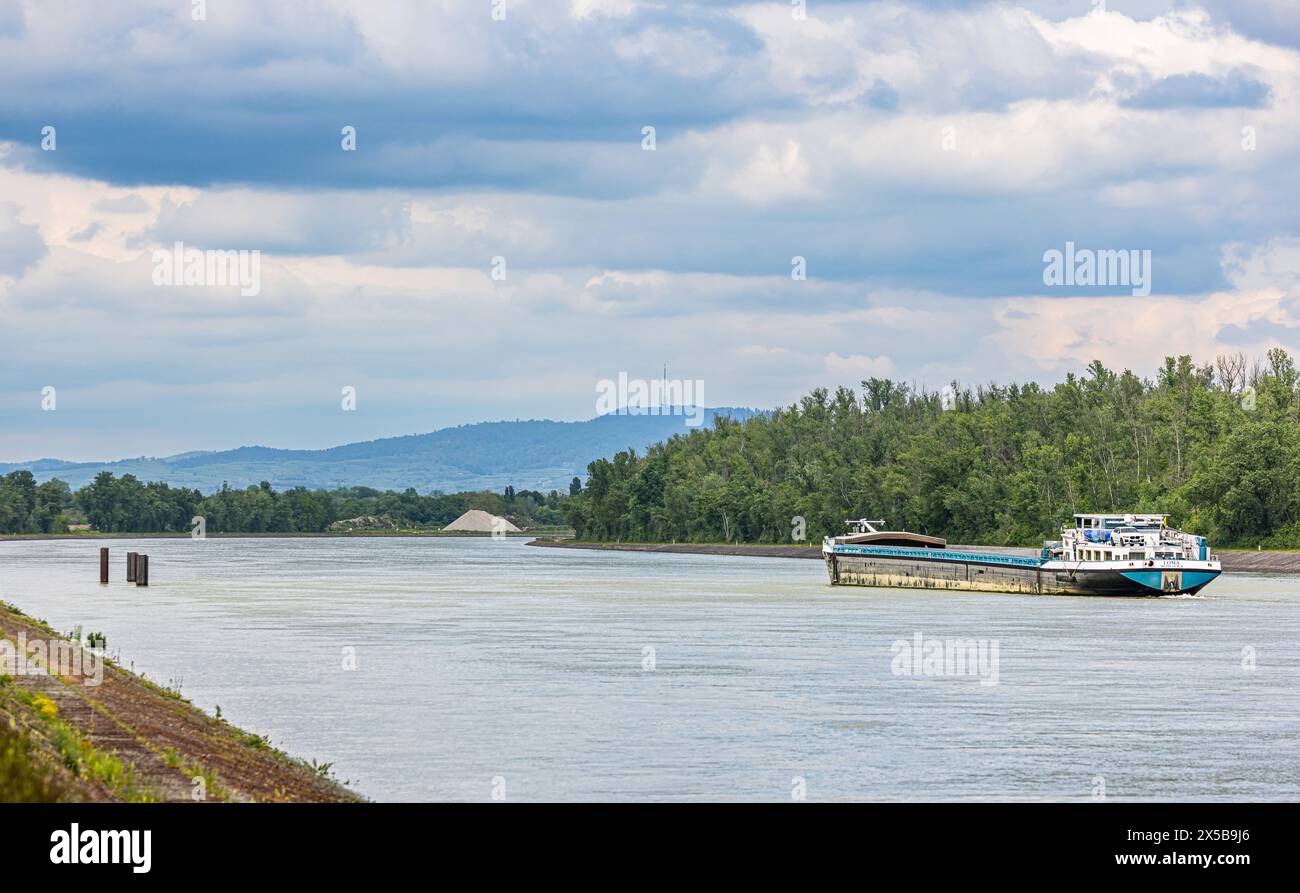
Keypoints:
pixel 128 739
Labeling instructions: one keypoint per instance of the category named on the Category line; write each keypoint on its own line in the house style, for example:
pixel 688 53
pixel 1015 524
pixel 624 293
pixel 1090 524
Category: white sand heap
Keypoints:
pixel 479 521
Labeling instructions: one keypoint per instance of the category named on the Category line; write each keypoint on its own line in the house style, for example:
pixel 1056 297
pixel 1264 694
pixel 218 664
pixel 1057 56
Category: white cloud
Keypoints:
pixel 1262 310
pixel 857 368
pixel 586 9
pixel 693 52
pixel 773 174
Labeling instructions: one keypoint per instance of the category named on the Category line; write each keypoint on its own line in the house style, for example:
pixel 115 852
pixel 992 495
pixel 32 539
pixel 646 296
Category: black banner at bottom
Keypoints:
pixel 331 842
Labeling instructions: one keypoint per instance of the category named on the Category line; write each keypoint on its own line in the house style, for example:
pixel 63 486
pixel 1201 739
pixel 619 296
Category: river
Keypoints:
pixel 487 667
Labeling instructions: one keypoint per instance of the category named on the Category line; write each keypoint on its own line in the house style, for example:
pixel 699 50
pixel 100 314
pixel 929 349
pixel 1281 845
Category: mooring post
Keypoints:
pixel 103 564
pixel 141 569
pixel 130 566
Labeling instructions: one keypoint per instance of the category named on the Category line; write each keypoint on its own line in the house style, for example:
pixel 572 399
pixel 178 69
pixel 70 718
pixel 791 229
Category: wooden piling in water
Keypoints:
pixel 103 564
pixel 141 569
pixel 130 566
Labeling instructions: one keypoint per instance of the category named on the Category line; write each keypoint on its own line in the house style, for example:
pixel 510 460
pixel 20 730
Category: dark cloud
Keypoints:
pixel 13 21
pixel 1260 330
pixel 881 96
pixel 1269 21
pixel 1234 90
pixel 265 105
pixel 258 93
pixel 89 232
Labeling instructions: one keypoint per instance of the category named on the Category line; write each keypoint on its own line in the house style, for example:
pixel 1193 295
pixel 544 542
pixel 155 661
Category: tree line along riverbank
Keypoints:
pixel 1215 445
pixel 111 504
pixel 92 535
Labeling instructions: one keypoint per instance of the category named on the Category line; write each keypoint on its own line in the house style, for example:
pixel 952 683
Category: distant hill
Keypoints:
pixel 538 455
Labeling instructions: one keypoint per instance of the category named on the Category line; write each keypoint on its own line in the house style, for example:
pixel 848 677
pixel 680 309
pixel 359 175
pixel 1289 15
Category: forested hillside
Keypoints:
pixel 1215 445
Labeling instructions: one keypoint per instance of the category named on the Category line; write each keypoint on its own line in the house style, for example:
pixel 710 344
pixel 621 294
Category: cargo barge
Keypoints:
pixel 1120 555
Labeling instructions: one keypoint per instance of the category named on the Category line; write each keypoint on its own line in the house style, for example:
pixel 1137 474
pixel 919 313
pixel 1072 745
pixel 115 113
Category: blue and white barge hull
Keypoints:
pixel 1120 555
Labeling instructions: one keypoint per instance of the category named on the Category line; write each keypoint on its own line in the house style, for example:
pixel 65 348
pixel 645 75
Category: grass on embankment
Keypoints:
pixel 127 739
pixel 44 759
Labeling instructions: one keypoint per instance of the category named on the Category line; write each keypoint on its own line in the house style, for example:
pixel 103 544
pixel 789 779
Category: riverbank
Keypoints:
pixel 771 550
pixel 98 733
pixel 1232 561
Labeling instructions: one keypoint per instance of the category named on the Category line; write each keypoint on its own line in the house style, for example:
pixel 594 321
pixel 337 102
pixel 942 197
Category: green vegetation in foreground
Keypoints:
pixel 1217 446
pixel 26 776
pixel 212 782
pixel 113 505
pixel 47 758
pixel 43 758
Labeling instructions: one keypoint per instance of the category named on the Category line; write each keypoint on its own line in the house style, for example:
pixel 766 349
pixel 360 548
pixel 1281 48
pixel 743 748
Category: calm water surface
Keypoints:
pixel 479 658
